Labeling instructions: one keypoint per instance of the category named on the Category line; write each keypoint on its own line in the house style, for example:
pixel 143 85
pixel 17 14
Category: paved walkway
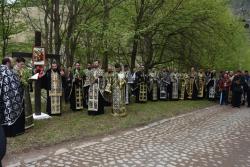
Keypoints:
pixel 212 137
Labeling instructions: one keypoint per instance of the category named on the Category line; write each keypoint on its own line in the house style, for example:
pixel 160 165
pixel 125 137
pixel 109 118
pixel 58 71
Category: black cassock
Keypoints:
pixel 12 115
pixel 76 93
pixel 237 91
pixel 52 93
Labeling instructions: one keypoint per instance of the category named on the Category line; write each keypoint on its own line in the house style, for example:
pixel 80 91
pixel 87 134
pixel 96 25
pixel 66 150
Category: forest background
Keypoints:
pixel 208 34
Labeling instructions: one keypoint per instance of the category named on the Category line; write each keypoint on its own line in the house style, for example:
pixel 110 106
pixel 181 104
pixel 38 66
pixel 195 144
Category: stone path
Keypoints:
pixel 212 137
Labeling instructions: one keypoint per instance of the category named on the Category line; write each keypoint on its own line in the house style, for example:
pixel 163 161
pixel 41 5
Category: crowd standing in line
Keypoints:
pixel 93 89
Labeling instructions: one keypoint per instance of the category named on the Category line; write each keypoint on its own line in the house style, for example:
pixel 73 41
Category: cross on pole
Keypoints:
pixel 38 42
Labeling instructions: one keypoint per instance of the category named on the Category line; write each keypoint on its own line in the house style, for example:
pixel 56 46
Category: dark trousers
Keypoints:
pixel 2 144
pixel 224 97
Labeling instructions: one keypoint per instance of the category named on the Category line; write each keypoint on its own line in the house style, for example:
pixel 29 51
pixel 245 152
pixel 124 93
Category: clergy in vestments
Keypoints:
pixel 211 86
pixel 165 84
pixel 53 81
pixel 86 78
pixel 24 74
pixel 76 92
pixel 141 81
pixel 127 86
pixel 191 87
pixel 182 85
pixel 201 84
pixel 175 85
pixel 153 85
pixel 96 90
pixel 131 83
pixel 11 100
pixel 108 86
pixel 119 92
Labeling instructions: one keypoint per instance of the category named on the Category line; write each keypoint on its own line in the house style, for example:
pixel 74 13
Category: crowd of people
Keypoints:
pixel 93 89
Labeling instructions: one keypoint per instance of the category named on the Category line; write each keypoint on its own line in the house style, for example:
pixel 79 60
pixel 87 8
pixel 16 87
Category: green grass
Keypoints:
pixel 78 125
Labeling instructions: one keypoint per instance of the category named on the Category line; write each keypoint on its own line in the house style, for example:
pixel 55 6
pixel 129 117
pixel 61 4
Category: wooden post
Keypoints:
pixel 37 93
pixel 38 42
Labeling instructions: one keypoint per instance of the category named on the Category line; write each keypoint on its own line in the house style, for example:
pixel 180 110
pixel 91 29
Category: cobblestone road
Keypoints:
pixel 216 136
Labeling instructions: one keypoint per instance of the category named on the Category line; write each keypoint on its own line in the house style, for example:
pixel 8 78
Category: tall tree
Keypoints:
pixel 9 24
pixel 106 11
pixel 57 22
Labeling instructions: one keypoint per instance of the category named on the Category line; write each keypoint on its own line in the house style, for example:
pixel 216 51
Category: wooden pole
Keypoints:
pixel 38 42
pixel 37 93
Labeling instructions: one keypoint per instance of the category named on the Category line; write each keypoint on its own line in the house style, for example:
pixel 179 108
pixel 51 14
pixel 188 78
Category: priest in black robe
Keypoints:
pixel 76 92
pixel 53 81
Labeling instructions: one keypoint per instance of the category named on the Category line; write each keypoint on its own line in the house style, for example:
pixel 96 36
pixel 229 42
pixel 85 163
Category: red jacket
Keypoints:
pixel 225 84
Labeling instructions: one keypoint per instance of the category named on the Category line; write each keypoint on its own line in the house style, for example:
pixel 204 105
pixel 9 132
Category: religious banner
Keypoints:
pixel 38 56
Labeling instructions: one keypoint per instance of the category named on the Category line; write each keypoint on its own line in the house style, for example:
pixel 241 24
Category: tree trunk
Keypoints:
pixel 57 39
pixel 51 11
pixel 88 45
pixel 149 51
pixel 3 31
pixel 46 25
pixel 134 52
pixel 71 24
pixel 104 36
pixel 5 44
pixel 140 13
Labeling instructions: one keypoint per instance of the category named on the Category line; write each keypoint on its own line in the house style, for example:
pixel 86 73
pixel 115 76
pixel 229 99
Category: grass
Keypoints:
pixel 78 125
